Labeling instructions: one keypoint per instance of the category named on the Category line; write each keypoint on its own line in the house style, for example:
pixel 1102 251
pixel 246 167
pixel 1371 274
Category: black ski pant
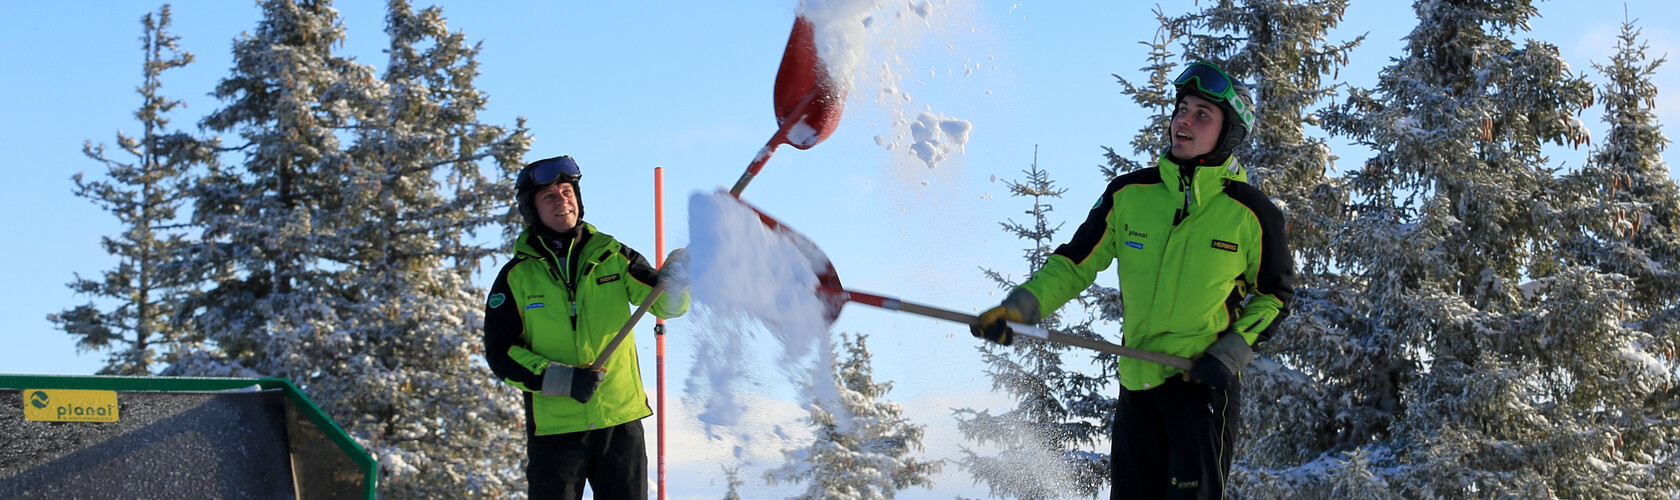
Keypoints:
pixel 1174 440
pixel 613 460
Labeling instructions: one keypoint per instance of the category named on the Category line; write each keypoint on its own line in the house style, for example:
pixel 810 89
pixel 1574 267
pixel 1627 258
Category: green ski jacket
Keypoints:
pixel 539 311
pixel 1196 254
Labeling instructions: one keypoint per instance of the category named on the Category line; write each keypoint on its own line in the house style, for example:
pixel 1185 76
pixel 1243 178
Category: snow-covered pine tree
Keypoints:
pixel 864 452
pixel 1053 443
pixel 1291 421
pixel 348 267
pixel 401 353
pixel 141 330
pixel 1616 288
pixel 1459 399
pixel 732 480
pixel 269 272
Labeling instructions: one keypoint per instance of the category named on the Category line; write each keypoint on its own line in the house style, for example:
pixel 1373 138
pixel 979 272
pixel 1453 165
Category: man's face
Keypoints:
pixel 1195 127
pixel 557 206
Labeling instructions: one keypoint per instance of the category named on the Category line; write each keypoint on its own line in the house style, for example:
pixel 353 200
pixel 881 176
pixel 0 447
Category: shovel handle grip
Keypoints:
pixel 893 304
pixel 756 165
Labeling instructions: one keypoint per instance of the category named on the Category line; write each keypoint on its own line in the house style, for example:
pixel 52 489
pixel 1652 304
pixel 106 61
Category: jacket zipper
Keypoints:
pixel 1183 185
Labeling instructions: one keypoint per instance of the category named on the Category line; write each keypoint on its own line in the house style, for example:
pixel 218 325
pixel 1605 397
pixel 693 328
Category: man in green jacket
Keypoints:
pixel 551 311
pixel 1205 273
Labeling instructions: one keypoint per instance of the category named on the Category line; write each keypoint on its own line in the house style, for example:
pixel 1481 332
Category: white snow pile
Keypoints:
pixel 748 278
pixel 937 136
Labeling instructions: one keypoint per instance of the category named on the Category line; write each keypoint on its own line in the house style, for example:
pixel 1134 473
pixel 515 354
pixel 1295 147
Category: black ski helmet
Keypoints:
pixel 544 173
pixel 1208 81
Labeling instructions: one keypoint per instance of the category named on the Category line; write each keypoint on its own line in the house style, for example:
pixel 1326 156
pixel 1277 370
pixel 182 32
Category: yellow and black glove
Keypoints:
pixel 1020 306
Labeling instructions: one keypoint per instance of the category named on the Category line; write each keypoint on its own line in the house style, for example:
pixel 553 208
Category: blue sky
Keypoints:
pixel 628 86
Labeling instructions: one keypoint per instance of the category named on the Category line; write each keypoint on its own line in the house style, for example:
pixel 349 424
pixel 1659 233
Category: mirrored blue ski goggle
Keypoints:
pixel 557 169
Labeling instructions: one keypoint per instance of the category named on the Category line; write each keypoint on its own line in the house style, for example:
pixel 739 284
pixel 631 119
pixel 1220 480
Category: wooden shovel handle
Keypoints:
pixel 653 296
pixel 893 304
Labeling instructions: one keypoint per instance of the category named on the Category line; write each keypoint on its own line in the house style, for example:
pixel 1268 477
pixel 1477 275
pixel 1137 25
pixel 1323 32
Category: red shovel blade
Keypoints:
pixel 808 100
pixel 806 94
pixel 828 281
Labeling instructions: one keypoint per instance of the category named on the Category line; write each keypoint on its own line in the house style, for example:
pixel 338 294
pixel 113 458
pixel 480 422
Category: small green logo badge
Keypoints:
pixel 38 399
pixel 496 300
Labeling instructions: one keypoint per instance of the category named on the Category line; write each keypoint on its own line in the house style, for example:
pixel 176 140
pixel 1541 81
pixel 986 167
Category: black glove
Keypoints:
pixel 1020 306
pixel 1219 365
pixel 575 382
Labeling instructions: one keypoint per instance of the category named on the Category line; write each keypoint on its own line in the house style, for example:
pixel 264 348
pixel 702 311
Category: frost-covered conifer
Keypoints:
pixel 142 328
pixel 425 175
pixel 862 450
pixel 1613 332
pixel 1053 443
pixel 349 263
pixel 269 274
pixel 1456 394
pixel 732 479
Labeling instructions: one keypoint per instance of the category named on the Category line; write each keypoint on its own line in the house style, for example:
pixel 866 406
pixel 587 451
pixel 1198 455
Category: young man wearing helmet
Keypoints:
pixel 1205 272
pixel 551 311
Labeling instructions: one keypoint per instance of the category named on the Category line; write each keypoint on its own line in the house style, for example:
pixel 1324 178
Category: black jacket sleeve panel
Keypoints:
pixel 639 267
pixel 1277 264
pixel 1091 232
pixel 503 328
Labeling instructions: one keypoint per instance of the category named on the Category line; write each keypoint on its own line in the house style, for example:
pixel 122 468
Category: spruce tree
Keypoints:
pixel 340 254
pixel 862 449
pixel 732 480
pixel 142 330
pixel 1615 287
pixel 1053 443
pixel 424 176
pixel 267 269
pixel 1447 221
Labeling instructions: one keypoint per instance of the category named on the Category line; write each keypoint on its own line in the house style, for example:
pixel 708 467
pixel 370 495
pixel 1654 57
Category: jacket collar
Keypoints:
pixel 1205 180
pixel 528 245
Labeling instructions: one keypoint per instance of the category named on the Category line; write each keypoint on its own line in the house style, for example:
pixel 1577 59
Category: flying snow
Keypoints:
pixel 749 278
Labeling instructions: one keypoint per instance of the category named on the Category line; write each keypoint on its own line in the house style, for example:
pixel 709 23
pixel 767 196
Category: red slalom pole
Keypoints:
pixel 659 323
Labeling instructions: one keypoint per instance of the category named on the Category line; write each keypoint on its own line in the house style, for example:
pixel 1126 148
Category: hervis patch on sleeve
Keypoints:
pixel 1225 245
pixel 496 300
pixel 607 279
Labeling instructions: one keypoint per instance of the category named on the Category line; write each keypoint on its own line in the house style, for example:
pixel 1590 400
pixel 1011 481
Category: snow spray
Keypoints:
pixel 846 34
pixel 747 278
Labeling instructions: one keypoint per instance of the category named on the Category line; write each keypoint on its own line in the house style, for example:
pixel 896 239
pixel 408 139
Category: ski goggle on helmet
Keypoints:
pixel 555 170
pixel 1213 82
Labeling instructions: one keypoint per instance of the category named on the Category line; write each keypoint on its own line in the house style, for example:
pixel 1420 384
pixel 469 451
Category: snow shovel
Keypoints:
pixel 808 100
pixel 827 278
pixel 808 105
pixel 835 296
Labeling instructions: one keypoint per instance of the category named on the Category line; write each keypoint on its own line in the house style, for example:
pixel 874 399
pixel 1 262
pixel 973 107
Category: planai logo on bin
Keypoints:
pixel 66 405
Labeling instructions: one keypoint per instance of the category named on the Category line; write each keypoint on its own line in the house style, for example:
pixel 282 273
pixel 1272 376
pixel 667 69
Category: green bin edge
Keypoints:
pixel 131 383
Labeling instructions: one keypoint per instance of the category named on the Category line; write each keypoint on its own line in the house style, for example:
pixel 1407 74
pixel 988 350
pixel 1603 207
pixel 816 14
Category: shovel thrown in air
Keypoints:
pixel 808 104
pixel 808 100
